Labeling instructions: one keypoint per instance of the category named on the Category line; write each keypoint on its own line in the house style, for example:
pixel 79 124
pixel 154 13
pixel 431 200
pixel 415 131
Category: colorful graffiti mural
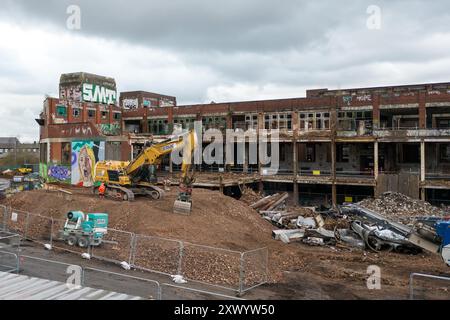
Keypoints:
pixel 59 173
pixel 85 155
pixel 112 129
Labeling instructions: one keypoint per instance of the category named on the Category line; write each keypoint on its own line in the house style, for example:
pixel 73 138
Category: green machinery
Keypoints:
pixel 84 229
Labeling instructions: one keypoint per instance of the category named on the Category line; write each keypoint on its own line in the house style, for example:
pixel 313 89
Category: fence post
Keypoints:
pixel 132 245
pixel 51 233
pixel 133 250
pixel 241 274
pixel 180 259
pixel 267 265
pixel 411 286
pixel 5 217
pixel 159 292
pixel 26 226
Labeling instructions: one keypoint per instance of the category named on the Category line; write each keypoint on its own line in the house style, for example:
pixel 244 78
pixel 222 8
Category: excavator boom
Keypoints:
pixel 124 180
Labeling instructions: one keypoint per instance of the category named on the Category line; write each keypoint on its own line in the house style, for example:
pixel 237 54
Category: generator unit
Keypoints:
pixel 84 229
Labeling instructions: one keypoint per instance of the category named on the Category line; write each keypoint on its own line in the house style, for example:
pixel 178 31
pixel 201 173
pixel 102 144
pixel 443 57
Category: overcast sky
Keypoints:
pixel 207 50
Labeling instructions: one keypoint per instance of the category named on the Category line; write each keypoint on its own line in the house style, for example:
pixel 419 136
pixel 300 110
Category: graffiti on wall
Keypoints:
pixel 43 170
pixel 364 98
pixel 70 93
pixel 98 94
pixel 85 155
pixel 130 104
pixel 347 100
pixel 112 129
pixel 59 173
pixel 78 129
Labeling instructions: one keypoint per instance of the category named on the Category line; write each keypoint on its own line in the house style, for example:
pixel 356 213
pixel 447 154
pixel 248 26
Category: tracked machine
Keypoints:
pixel 124 180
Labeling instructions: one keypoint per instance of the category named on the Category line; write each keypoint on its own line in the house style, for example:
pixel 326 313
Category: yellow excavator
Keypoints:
pixel 124 180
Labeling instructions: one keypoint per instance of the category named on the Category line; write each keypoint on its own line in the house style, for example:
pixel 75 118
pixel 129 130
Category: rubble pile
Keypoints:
pixel 249 196
pixel 400 208
pixel 382 224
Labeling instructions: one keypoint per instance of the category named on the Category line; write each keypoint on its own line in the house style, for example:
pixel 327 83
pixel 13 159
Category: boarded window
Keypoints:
pixel 61 111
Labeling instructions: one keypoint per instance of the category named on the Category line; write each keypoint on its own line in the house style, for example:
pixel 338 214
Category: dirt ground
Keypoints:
pixel 297 271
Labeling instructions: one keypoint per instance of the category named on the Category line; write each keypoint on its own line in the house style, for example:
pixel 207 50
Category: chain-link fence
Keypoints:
pixel 428 287
pixel 47 269
pixel 3 217
pixel 176 292
pixel 117 246
pixel 127 284
pixel 157 254
pixel 213 266
pixel 16 221
pixel 78 277
pixel 39 229
pixel 9 262
pixel 233 270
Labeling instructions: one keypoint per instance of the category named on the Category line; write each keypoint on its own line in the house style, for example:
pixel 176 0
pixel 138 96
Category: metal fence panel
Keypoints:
pixel 46 269
pixel 115 247
pixel 3 217
pixel 173 292
pixel 210 265
pixel 428 287
pixel 254 269
pixel 157 254
pixel 39 229
pixel 127 284
pixel 9 262
pixel 16 222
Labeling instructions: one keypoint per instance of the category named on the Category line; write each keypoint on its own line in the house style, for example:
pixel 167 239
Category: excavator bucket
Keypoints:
pixel 182 207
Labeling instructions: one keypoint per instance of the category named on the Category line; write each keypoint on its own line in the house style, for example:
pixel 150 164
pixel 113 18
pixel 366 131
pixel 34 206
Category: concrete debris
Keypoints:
pixel 400 208
pixel 47 246
pixel 314 241
pixel 249 196
pixel 306 222
pixel 289 234
pixel 350 238
pixel 270 203
pixel 373 224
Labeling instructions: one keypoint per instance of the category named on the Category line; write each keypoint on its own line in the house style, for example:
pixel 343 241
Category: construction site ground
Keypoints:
pixel 296 270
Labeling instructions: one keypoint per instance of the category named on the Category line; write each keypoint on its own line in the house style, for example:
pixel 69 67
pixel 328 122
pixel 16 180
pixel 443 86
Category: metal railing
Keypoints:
pixel 125 283
pixel 427 276
pixel 9 262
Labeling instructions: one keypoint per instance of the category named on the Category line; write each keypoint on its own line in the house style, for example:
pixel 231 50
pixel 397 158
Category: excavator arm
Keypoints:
pixel 153 154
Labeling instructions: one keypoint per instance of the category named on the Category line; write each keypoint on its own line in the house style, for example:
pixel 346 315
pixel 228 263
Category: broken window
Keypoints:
pixel 409 153
pixel 117 116
pixel 307 152
pixel 66 153
pixel 443 123
pixel 43 153
pixel 444 152
pixel 251 121
pixel 105 115
pixel 76 112
pixel 91 113
pixel 315 121
pixel 282 152
pixel 342 153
